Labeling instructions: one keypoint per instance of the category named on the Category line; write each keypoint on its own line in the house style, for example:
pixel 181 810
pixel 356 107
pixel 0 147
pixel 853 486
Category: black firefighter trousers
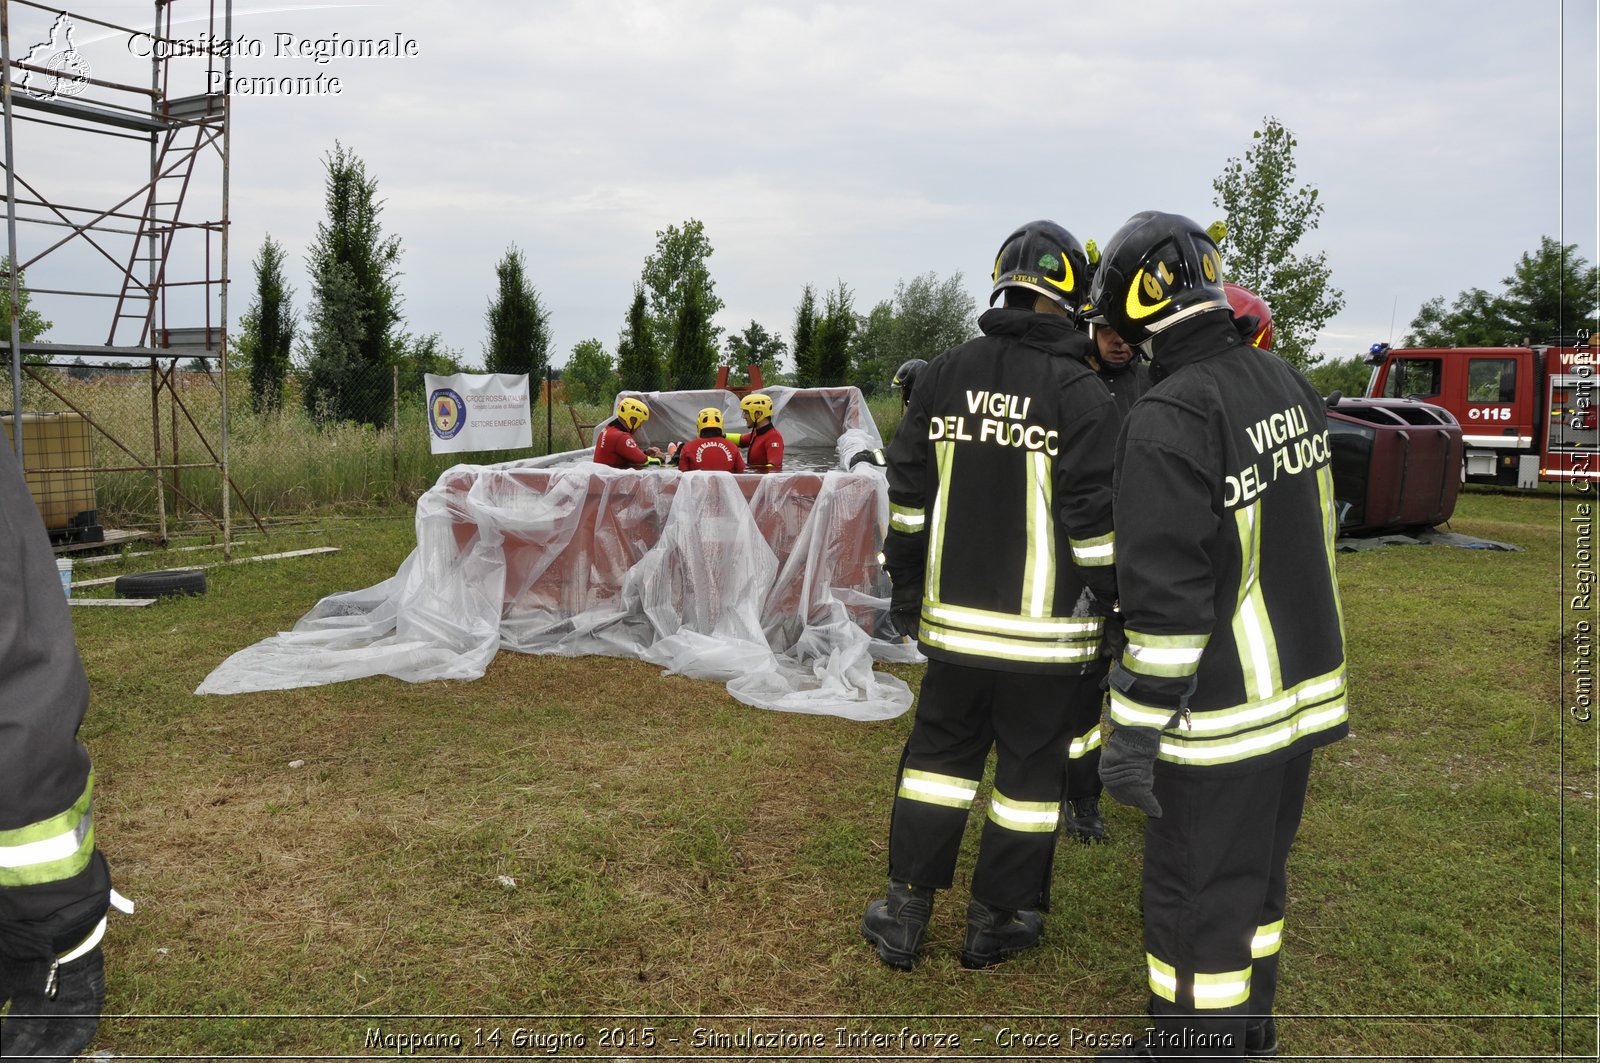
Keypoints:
pixel 1214 892
pixel 961 712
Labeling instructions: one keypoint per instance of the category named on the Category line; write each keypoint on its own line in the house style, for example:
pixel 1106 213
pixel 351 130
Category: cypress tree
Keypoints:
pixel 638 361
pixel 519 325
pixel 805 328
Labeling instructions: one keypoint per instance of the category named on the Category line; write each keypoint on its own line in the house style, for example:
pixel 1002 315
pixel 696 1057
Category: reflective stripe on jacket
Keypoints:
pixel 54 885
pixel 1000 499
pixel 1226 526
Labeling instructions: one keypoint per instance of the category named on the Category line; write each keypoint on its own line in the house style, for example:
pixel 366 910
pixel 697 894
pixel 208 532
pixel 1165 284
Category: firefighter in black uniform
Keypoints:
pixel 905 379
pixel 1123 369
pixel 1234 669
pixel 54 885
pixel 1126 375
pixel 1000 551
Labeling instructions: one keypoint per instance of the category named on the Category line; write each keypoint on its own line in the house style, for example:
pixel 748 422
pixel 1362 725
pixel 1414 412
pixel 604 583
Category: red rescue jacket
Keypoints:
pixel 617 448
pixel 710 452
pixel 766 447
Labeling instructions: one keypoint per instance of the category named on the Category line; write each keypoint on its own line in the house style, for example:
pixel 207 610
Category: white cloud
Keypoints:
pixel 871 143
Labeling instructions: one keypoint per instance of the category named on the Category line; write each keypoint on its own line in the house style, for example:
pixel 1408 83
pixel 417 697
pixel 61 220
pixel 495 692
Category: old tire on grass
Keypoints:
pixel 166 583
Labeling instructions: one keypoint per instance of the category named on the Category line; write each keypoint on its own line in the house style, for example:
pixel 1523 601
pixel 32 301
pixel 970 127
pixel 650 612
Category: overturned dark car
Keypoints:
pixel 1396 464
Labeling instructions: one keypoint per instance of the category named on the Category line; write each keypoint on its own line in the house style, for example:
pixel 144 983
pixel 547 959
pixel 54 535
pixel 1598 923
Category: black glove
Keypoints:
pixel 1112 638
pixel 871 457
pixel 1128 767
pixel 909 621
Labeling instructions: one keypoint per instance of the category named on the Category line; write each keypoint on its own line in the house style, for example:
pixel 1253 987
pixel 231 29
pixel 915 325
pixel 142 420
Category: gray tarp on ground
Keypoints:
pixel 770 582
pixel 1429 537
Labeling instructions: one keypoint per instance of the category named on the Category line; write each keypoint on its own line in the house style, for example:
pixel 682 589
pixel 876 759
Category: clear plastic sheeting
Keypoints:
pixel 768 582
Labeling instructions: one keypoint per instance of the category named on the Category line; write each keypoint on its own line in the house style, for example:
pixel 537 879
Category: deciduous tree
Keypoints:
pixel 1475 319
pixel 1552 292
pixel 931 316
pixel 1268 214
pixel 756 346
pixel 421 355
pixel 30 324
pixel 926 318
pixel 872 363
pixel 677 265
pixel 1348 376
pixel 589 375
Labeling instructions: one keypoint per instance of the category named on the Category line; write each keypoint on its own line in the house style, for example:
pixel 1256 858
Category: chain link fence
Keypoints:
pixel 359 441
pixel 328 445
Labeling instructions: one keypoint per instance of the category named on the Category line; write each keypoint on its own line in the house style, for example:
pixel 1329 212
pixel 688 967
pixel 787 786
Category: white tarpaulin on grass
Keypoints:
pixel 478 411
pixel 768 582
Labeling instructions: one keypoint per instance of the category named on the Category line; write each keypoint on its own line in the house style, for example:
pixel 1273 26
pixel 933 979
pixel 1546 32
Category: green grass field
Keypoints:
pixel 684 862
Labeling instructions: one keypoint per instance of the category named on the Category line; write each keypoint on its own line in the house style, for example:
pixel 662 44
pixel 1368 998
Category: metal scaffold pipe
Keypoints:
pixel 14 335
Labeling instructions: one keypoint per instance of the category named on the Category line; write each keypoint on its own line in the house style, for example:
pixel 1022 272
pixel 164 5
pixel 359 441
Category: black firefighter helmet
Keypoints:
pixel 905 378
pixel 1158 270
pixel 1043 257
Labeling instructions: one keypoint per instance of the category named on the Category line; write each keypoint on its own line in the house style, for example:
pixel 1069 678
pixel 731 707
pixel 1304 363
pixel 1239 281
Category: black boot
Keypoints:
pixel 1084 821
pixel 894 925
pixel 996 934
pixel 54 1014
pixel 1261 1040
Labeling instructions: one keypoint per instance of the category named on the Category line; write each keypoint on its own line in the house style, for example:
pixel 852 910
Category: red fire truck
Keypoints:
pixel 1527 413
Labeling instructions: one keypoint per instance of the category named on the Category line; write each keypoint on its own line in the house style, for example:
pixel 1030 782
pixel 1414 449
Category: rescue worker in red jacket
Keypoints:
pixel 1000 552
pixel 1234 670
pixel 54 884
pixel 616 446
pixel 712 450
pixel 763 440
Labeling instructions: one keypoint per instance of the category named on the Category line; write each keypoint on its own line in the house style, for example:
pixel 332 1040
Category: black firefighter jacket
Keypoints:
pixel 1000 499
pixel 1225 534
pixel 1128 383
pixel 54 887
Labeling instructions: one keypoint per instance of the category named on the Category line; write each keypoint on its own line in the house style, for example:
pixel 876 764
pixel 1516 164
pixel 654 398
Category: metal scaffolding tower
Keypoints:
pixel 161 249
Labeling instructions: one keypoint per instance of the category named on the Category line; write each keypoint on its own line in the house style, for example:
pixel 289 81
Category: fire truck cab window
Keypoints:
pixel 1491 379
pixel 1412 378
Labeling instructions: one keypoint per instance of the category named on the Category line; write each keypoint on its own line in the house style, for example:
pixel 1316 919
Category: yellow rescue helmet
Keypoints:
pixel 756 407
pixel 632 413
pixel 710 417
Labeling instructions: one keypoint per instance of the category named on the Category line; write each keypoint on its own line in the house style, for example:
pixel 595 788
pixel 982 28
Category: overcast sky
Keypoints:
pixel 862 143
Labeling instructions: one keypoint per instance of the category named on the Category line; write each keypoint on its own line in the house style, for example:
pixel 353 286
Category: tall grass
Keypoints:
pixel 282 462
